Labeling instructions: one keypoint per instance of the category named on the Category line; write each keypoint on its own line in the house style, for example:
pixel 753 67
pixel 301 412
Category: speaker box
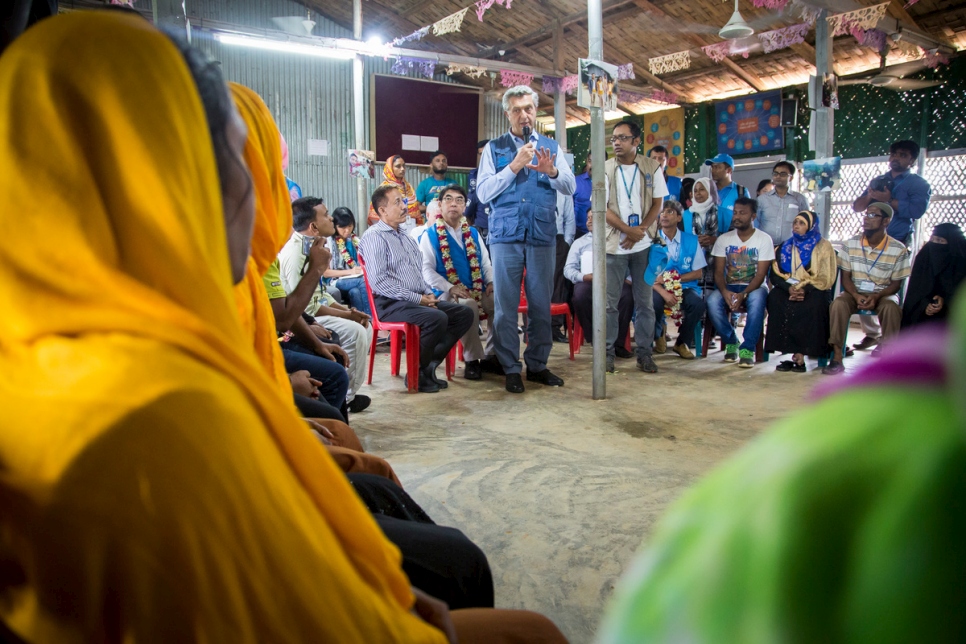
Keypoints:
pixel 789 112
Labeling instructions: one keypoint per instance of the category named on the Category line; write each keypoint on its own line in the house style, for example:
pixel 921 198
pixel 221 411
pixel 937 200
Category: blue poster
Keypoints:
pixel 750 124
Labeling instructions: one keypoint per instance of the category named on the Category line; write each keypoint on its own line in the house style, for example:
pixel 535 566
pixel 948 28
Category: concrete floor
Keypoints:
pixel 560 490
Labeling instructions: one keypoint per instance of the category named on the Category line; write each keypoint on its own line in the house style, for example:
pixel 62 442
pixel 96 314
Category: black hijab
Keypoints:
pixel 939 270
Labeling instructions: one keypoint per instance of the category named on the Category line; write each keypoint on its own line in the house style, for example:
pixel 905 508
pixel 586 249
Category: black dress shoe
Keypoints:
pixel 359 403
pixel 473 370
pixel 431 372
pixel 559 336
pixel 514 383
pixel 427 385
pixel 545 377
pixel 491 365
pixel 621 352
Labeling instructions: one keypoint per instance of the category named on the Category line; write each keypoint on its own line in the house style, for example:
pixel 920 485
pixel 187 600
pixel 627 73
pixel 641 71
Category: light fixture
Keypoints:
pixel 284 46
pixel 736 27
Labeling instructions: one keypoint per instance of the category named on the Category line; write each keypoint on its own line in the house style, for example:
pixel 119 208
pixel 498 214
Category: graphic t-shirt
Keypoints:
pixel 742 257
pixel 429 188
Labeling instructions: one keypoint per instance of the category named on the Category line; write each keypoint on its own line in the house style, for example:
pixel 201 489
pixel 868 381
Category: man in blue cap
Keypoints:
pixel 728 191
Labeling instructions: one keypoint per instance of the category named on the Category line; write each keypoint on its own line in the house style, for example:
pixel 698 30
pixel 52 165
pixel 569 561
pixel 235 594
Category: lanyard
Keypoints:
pixel 864 254
pixel 629 190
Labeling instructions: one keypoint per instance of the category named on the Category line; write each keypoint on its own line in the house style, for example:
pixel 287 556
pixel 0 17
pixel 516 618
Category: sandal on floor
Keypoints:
pixel 834 368
pixel 799 368
pixel 785 365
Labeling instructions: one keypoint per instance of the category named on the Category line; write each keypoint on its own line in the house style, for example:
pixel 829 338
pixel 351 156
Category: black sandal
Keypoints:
pixel 798 368
pixel 785 365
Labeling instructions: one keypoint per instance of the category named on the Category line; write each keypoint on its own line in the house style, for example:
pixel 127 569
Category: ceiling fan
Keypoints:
pixel 736 27
pixel 893 76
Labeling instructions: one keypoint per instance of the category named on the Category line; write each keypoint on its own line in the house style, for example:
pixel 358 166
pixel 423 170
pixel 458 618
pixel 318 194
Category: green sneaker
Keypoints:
pixel 746 359
pixel 731 353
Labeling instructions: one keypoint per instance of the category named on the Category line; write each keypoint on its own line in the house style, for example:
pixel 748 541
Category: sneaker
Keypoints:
pixel 610 364
pixel 731 353
pixel 683 351
pixel 646 364
pixel 746 359
pixel 660 345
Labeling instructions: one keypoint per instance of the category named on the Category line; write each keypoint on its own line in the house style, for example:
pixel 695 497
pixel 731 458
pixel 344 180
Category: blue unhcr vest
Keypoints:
pixel 658 261
pixel 527 210
pixel 460 261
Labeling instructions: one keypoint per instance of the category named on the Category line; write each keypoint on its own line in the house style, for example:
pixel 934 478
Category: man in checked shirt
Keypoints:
pixel 393 264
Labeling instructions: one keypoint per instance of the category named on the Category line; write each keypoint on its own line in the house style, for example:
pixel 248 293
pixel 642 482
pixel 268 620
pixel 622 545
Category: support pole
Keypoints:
pixel 172 14
pixel 362 197
pixel 824 118
pixel 559 99
pixel 595 37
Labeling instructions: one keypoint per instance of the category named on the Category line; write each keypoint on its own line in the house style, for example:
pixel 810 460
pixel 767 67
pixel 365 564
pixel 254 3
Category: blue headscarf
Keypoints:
pixel 804 243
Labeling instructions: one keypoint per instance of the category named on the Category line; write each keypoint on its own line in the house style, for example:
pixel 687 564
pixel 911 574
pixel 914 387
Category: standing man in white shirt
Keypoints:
pixel 520 174
pixel 635 194
pixel 456 265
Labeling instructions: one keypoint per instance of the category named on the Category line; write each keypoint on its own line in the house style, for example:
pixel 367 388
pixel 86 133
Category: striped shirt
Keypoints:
pixel 394 263
pixel 881 265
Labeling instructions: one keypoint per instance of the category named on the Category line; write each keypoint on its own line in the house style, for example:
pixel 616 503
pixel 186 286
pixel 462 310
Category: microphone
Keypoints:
pixel 526 133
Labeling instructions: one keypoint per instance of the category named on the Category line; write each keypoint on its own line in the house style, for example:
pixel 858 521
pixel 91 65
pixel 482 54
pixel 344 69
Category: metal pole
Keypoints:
pixel 824 116
pixel 560 120
pixel 595 37
pixel 358 109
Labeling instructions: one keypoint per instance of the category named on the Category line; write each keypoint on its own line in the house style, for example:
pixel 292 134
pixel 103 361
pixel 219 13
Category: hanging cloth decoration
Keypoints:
pixel 404 64
pixel 776 5
pixel 657 96
pixel 935 58
pixel 450 23
pixel 782 38
pixel 670 63
pixel 864 18
pixel 510 78
pixel 555 85
pixel 419 34
pixel 718 51
pixel 625 72
pixel 873 38
pixel 483 5
pixel 469 70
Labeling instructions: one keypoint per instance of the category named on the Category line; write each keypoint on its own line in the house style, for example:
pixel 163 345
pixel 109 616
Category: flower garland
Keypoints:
pixel 476 273
pixel 344 252
pixel 671 282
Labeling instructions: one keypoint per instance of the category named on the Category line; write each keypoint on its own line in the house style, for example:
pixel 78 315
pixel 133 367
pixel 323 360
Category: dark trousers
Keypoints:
pixel 563 289
pixel 583 306
pixel 439 327
pixel 332 375
pixel 693 307
pixel 311 408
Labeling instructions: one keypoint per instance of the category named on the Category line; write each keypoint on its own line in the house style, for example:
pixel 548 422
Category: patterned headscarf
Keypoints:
pixel 804 243
pixel 406 188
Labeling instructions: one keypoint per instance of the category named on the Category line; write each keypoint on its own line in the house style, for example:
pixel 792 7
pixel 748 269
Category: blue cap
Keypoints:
pixel 722 158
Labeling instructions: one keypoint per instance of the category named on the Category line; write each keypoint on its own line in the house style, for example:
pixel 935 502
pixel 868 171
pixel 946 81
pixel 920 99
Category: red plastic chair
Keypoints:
pixel 396 331
pixel 555 309
pixel 577 340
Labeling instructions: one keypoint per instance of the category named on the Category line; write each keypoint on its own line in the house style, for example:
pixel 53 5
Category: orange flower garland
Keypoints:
pixel 472 254
pixel 344 252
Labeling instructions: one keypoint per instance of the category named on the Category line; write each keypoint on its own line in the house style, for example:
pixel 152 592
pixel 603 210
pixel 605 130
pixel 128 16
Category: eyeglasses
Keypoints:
pixel 621 138
pixel 457 200
pixel 873 215
pixel 780 174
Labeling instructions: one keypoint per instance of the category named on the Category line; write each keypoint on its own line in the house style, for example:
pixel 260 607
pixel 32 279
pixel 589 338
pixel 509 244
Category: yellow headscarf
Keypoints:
pixel 149 470
pixel 406 188
pixel 273 223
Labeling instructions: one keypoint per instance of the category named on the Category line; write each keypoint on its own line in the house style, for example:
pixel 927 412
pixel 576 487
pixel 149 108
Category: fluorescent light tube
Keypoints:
pixel 284 46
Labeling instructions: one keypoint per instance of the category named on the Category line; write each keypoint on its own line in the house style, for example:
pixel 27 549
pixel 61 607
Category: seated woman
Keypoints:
pixel 165 486
pixel 701 219
pixel 802 277
pixel 343 267
pixel 394 174
pixel 939 269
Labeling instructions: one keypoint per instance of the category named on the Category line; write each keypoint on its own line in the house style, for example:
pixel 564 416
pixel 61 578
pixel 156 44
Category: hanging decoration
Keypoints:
pixel 657 96
pixel 416 35
pixel 782 38
pixel 570 84
pixel 670 63
pixel 483 5
pixel 469 70
pixel 776 5
pixel 509 78
pixel 404 64
pixel 555 85
pixel 908 49
pixel 934 58
pixel 124 3
pixel 625 72
pixel 874 38
pixel 450 23
pixel 864 18
pixel 910 3
pixel 718 51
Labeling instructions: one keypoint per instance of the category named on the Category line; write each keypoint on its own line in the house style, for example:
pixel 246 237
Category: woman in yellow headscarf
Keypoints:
pixel 394 174
pixel 154 485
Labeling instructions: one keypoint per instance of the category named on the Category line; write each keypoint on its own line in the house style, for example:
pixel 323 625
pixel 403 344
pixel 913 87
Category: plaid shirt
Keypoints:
pixel 887 262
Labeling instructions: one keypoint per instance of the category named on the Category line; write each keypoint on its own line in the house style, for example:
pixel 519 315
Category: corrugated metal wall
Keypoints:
pixel 309 97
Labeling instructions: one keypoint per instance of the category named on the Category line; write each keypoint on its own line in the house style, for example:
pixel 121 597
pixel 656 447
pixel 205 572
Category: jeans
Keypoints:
pixel 720 314
pixel 332 375
pixel 692 306
pixel 355 290
pixel 509 261
pixel 617 266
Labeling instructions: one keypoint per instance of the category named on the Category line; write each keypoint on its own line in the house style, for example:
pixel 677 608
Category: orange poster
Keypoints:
pixel 667 128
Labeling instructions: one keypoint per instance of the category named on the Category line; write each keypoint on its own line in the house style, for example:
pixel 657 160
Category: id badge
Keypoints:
pixel 866 286
pixel 634 220
pixel 792 281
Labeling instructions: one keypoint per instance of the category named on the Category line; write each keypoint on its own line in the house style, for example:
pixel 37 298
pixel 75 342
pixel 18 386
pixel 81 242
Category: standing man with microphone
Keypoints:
pixel 520 175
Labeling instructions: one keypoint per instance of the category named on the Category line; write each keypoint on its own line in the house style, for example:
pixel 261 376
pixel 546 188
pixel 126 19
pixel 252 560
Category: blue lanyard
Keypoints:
pixel 864 254
pixel 630 190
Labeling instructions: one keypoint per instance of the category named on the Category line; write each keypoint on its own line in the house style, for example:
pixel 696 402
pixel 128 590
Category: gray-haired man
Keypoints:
pixel 520 175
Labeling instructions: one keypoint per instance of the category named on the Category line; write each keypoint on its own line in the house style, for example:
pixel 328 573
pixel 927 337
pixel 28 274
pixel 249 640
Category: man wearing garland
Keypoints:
pixel 393 264
pixel 456 265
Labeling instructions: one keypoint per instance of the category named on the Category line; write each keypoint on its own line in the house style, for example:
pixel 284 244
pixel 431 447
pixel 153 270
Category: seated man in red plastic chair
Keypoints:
pixel 393 265
pixel 456 265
